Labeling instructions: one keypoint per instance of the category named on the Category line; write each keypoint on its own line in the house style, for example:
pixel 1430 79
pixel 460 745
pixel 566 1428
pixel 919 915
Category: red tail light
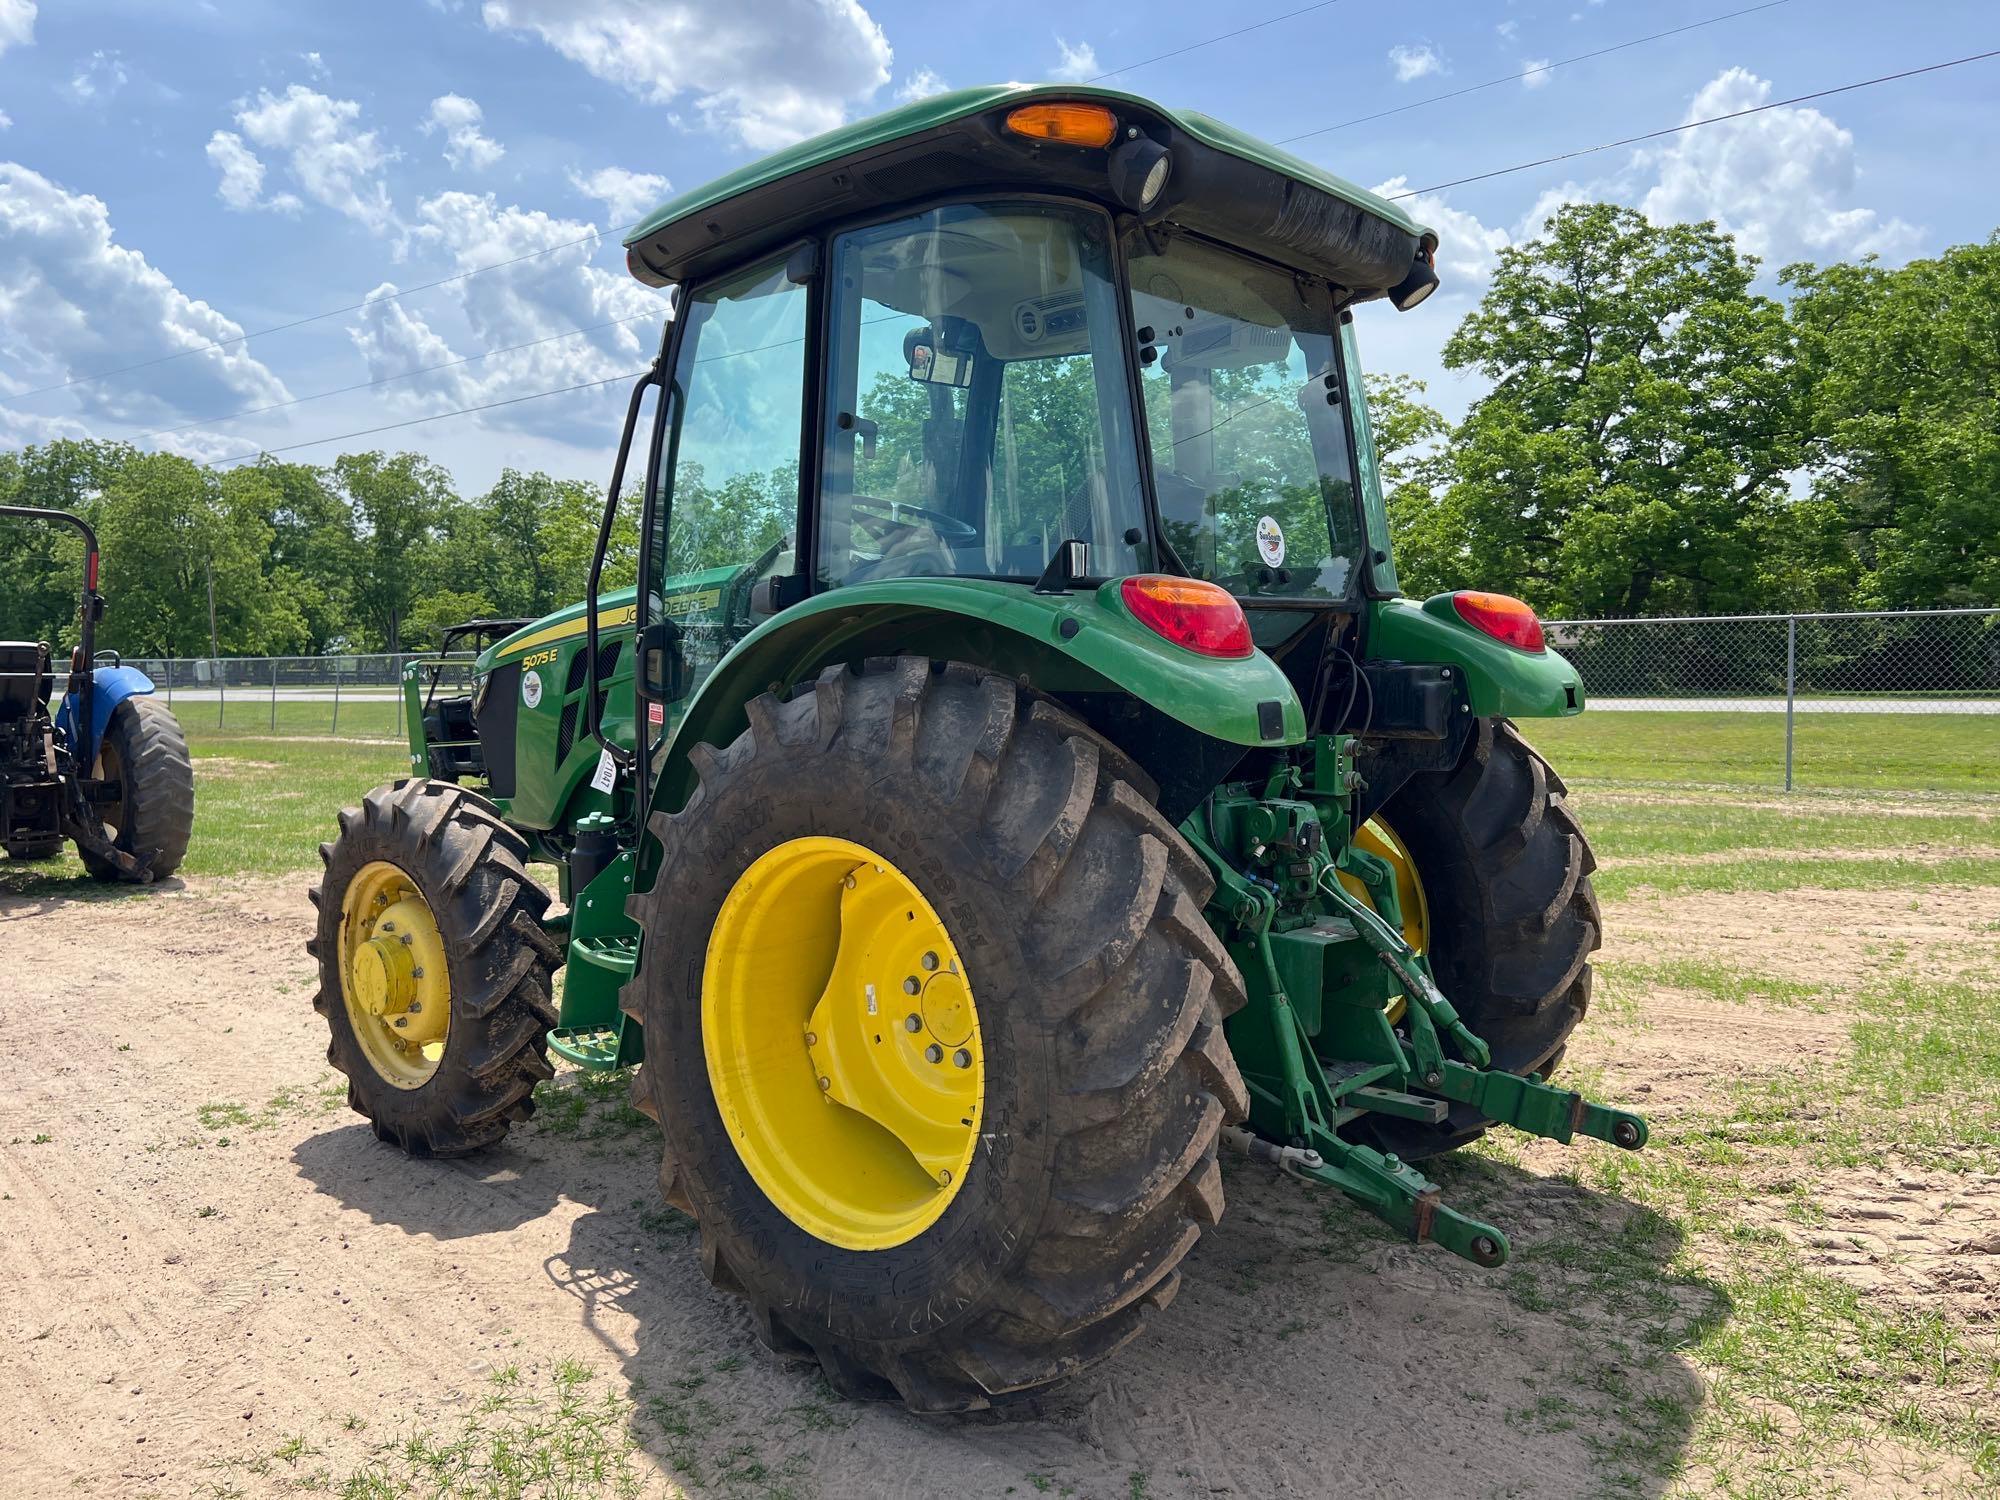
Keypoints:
pixel 1190 613
pixel 90 572
pixel 1501 616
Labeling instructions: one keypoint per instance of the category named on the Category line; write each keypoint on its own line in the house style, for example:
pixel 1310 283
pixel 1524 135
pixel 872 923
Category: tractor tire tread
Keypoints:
pixel 465 861
pixel 1132 983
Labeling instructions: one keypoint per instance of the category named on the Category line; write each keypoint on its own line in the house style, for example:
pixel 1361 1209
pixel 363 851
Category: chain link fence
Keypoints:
pixel 1902 701
pixel 343 697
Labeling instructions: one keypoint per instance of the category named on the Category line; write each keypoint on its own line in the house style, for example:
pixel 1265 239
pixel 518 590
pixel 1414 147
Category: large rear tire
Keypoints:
pixel 1100 993
pixel 145 753
pixel 434 968
pixel 1505 870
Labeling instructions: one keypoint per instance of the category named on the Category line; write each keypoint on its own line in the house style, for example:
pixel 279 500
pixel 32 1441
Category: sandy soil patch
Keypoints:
pixel 1839 941
pixel 1921 1240
pixel 167 1301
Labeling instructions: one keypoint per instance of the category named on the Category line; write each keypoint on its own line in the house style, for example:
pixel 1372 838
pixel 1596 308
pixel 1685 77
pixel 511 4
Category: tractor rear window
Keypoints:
pixel 978 413
pixel 1244 413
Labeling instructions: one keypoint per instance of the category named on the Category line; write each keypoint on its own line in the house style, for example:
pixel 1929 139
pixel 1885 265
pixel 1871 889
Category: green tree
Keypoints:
pixel 400 505
pixel 313 553
pixel 1906 412
pixel 1632 455
pixel 171 532
pixel 41 565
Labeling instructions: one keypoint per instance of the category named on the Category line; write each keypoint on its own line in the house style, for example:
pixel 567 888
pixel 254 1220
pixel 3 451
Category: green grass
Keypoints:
pixel 1861 752
pixel 262 807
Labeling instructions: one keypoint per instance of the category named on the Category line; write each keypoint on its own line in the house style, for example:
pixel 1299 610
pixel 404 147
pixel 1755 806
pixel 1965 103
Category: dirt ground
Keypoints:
pixel 205 1257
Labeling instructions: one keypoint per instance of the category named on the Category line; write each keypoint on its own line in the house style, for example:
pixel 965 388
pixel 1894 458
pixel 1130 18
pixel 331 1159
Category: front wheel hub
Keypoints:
pixel 395 981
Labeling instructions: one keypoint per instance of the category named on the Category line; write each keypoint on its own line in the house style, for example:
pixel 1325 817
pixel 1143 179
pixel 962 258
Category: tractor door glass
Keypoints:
pixel 977 412
pixel 1244 411
pixel 730 473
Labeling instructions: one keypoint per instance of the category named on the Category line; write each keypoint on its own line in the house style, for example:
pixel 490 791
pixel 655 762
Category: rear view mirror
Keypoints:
pixel 662 663
pixel 942 356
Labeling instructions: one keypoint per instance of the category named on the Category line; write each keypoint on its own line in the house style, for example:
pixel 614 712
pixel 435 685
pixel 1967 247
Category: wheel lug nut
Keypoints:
pixel 930 960
pixel 913 1023
pixel 933 1053
pixel 911 985
pixel 962 1058
pixel 825 1084
pixel 812 1039
pixel 944 1176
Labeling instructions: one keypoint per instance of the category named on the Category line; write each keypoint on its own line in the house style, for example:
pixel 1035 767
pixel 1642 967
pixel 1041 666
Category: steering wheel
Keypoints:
pixel 902 513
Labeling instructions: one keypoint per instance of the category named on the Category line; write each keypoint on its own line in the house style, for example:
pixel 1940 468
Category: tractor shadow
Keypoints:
pixel 1309 1351
pixel 29 890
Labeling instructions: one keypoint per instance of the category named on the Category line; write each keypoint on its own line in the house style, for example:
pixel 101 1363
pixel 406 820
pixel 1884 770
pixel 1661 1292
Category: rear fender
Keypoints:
pixel 1499 679
pixel 109 687
pixel 1078 642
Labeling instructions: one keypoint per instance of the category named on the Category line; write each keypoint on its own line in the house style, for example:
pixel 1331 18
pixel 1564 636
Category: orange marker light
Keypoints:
pixel 1501 616
pixel 1190 613
pixel 1066 124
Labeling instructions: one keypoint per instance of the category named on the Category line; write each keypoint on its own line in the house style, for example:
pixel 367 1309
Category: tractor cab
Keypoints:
pixel 1043 337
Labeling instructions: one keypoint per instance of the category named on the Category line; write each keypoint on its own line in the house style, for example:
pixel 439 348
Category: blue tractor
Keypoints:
pixel 109 770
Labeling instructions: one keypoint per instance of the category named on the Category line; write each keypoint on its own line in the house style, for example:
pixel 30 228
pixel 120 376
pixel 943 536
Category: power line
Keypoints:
pixel 345 390
pixel 1637 41
pixel 438 416
pixel 1209 41
pixel 318 317
pixel 1654 135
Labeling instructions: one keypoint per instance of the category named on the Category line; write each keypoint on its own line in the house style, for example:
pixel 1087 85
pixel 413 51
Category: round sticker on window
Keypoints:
pixel 531 688
pixel 1270 541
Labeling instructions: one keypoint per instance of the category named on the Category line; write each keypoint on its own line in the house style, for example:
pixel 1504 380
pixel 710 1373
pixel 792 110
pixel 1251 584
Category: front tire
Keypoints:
pixel 146 754
pixel 1505 869
pixel 1100 993
pixel 434 968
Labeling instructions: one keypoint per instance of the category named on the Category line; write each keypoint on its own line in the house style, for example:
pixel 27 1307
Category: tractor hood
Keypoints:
pixel 1223 183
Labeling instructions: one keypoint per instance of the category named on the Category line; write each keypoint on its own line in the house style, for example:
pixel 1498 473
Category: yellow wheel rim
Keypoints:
pixel 393 976
pixel 843 1044
pixel 1379 839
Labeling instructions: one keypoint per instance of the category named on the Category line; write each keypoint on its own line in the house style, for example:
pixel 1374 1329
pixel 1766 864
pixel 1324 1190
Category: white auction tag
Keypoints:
pixel 607 772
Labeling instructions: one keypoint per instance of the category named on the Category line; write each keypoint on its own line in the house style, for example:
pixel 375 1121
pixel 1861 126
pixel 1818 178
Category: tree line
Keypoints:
pixel 373 552
pixel 1658 438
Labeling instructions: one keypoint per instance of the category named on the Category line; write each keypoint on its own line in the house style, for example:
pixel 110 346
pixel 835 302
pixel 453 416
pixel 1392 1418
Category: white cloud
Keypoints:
pixel 315 64
pixel 765 72
pixel 242 182
pixel 74 301
pixel 99 76
pixel 6 120
pixel 627 196
pixel 1412 63
pixel 1507 30
pixel 1782 181
pixel 465 144
pixel 1074 64
pixel 1534 72
pixel 334 163
pixel 17 23
pixel 921 85
pixel 542 299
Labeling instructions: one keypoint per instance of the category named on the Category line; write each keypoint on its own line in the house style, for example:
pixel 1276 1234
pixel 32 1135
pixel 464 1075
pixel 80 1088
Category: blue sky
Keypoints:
pixel 177 173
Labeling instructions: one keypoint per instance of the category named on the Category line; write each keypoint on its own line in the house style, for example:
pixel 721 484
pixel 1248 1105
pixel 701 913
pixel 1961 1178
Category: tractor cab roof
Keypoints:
pixel 1218 182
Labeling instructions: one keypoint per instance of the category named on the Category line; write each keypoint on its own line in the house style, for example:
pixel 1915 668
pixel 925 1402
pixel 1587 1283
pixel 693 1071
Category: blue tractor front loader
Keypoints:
pixel 109 769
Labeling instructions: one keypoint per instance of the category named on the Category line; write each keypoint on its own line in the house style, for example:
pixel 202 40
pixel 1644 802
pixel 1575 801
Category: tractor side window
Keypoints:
pixel 1245 417
pixel 977 411
pixel 730 486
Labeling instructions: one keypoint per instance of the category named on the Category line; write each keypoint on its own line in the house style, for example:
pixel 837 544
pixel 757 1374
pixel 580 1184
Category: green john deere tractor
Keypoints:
pixel 1015 775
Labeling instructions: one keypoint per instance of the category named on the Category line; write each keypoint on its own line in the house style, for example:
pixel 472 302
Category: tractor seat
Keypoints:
pixel 25 680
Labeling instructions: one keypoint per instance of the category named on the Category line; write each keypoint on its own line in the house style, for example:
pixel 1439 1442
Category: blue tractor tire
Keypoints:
pixel 145 753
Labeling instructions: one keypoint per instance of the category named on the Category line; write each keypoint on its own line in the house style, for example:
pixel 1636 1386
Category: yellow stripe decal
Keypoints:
pixel 608 619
